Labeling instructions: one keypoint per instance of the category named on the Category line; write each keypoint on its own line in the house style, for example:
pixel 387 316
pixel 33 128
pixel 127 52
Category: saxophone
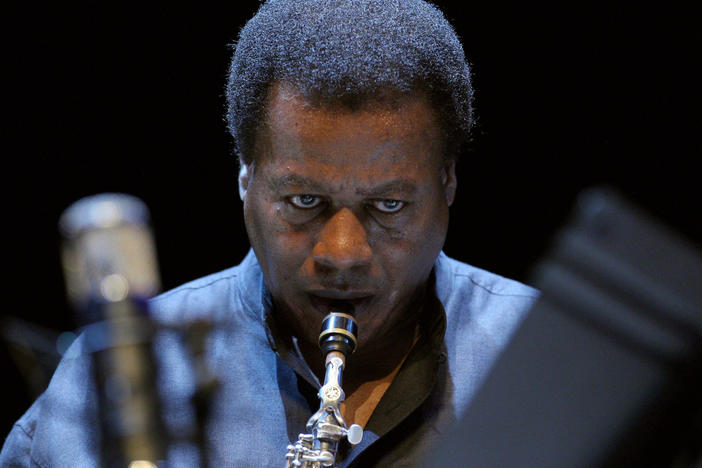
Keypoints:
pixel 325 429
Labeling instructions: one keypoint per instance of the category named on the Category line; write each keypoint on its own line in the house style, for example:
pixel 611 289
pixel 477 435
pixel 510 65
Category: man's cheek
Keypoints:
pixel 287 252
pixel 293 244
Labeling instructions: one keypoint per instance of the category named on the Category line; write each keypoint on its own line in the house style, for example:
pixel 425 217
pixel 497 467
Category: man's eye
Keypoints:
pixel 388 205
pixel 304 201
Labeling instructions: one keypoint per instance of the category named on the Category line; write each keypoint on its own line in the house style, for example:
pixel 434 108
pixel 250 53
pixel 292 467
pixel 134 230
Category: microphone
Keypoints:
pixel 110 270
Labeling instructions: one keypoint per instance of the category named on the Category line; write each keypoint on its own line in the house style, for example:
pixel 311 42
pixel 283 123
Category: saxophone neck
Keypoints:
pixel 331 394
pixel 334 364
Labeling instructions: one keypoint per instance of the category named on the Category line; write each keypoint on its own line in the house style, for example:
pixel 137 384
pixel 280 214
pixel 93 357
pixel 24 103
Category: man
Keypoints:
pixel 348 117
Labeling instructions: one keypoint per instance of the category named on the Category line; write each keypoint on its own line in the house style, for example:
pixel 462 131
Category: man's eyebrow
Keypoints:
pixel 294 180
pixel 398 186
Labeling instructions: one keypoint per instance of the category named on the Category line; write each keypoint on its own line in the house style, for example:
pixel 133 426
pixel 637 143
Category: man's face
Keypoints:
pixel 348 207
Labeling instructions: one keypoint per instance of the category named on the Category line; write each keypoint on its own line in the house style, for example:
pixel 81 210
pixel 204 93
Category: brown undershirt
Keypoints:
pixel 358 406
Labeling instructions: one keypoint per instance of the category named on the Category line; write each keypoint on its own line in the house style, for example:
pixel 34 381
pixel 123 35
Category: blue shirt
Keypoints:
pixel 263 400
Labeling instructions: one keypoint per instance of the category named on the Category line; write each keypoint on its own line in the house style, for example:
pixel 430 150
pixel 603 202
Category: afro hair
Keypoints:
pixel 348 53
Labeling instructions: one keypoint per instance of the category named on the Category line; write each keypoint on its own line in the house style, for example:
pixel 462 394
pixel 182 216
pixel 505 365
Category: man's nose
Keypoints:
pixel 342 243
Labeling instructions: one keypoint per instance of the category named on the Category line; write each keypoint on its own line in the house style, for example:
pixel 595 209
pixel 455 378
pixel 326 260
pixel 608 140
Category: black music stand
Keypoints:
pixel 606 371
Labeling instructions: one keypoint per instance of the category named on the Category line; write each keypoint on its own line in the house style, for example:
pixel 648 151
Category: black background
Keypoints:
pixel 113 97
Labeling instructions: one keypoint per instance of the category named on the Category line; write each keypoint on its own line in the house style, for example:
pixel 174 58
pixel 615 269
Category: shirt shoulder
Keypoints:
pixel 212 297
pixel 475 299
pixel 16 450
pixel 463 275
pixel 481 307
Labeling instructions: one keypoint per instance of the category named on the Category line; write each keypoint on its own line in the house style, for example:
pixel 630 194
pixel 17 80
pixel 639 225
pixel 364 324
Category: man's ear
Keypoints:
pixel 448 179
pixel 244 173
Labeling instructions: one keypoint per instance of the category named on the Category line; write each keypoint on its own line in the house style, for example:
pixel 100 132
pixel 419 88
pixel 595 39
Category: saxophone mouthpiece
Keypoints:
pixel 339 333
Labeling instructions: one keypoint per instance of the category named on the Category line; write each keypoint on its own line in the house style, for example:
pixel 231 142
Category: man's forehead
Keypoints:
pixel 290 113
pixel 377 138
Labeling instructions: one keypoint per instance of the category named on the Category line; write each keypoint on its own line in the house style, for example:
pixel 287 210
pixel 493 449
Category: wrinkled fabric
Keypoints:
pixel 261 403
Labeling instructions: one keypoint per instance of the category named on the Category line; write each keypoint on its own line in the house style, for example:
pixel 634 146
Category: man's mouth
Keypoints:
pixel 328 301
